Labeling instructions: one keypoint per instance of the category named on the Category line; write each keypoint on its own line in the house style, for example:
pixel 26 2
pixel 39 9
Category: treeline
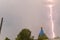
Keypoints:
pixel 25 34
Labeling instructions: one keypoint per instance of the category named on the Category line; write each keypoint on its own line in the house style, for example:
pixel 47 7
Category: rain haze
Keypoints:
pixel 31 14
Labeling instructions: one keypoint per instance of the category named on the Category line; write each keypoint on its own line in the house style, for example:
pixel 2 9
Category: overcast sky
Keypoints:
pixel 31 14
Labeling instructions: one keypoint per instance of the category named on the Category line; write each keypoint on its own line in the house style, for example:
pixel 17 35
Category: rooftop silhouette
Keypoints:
pixel 42 35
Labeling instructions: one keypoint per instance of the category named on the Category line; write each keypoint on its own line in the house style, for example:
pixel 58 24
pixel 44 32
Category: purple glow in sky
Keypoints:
pixel 19 14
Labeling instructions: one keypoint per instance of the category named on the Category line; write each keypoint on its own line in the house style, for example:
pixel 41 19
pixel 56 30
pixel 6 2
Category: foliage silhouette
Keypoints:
pixel 25 34
pixel 7 38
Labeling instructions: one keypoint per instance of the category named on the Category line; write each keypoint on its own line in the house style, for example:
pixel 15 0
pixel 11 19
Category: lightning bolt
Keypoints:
pixel 50 6
pixel 51 19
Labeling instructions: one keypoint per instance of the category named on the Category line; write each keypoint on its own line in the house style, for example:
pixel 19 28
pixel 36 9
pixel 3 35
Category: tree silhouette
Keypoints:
pixel 25 34
pixel 7 38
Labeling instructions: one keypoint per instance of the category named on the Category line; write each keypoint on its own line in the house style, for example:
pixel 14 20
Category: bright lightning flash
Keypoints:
pixel 51 16
pixel 50 0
